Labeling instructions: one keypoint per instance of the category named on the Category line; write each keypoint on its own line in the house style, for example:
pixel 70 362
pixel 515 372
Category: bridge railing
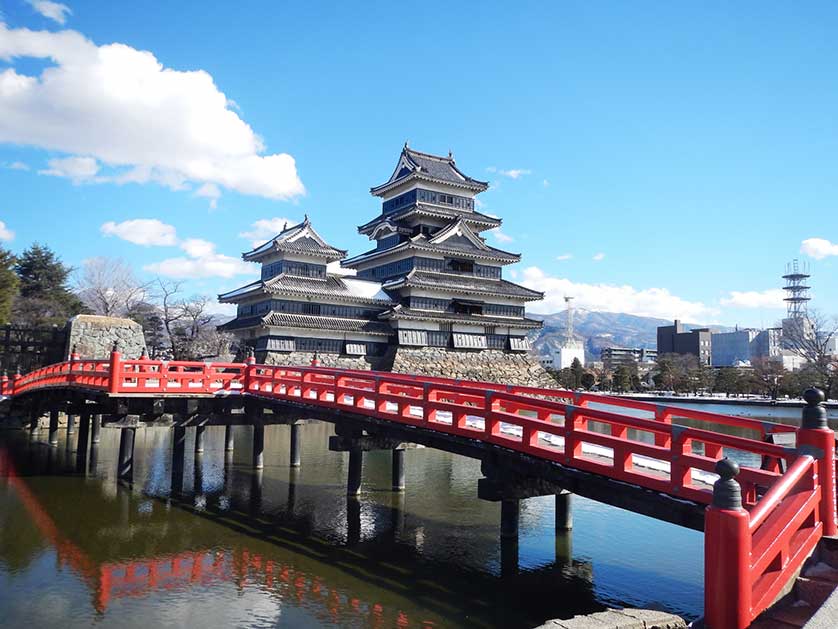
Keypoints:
pixel 645 451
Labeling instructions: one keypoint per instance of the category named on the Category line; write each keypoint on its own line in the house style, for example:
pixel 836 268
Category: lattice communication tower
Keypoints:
pixel 796 288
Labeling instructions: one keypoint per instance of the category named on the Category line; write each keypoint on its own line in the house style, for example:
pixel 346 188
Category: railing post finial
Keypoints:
pixel 727 494
pixel 144 354
pixel 814 413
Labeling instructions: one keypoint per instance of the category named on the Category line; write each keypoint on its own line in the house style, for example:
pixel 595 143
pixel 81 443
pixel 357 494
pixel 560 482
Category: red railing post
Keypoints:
pixel 816 439
pixel 249 363
pixel 4 384
pixel 115 373
pixel 15 380
pixel 727 554
pixel 74 356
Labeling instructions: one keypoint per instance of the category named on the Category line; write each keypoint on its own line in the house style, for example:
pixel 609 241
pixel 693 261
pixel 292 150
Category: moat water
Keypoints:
pixel 286 548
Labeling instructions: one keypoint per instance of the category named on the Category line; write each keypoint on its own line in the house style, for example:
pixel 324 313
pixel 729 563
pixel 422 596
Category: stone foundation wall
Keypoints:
pixel 93 336
pixel 488 365
pixel 303 359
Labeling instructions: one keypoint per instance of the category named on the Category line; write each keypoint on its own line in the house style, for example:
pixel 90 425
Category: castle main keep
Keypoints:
pixel 429 298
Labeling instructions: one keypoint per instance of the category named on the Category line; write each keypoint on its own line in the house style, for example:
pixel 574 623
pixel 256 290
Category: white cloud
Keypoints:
pixel 209 191
pixel 78 169
pixel 266 228
pixel 770 298
pixel 202 261
pixel 6 234
pixel 648 302
pixel 16 166
pixel 141 121
pixel 500 236
pixel 337 269
pixel 818 248
pixel 55 11
pixel 512 173
pixel 142 231
pixel 564 256
pixel 598 257
pixel 545 183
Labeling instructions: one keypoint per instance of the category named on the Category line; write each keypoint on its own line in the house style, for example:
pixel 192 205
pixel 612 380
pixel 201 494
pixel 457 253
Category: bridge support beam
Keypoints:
pixel 228 438
pixel 295 445
pixel 356 464
pixel 258 446
pixel 398 469
pixel 71 424
pixel 199 439
pixel 564 511
pixel 53 428
pixel 178 453
pixel 510 509
pixel 81 445
pixel 95 429
pixel 125 471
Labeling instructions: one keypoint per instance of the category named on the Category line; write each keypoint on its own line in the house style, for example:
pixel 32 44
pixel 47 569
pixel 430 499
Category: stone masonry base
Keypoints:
pixel 487 365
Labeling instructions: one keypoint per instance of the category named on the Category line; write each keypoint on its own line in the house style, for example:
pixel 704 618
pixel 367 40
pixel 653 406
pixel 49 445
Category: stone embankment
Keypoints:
pixel 93 336
pixel 620 619
pixel 487 365
pixel 304 359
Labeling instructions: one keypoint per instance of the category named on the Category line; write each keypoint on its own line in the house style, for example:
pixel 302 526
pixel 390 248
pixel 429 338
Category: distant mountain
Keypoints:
pixel 603 329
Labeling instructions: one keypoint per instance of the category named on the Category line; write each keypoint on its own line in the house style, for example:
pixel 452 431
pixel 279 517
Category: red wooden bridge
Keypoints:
pixel 761 518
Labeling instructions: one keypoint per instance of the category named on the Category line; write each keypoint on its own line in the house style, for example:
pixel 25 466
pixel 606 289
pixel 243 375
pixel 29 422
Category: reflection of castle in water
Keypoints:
pixel 134 546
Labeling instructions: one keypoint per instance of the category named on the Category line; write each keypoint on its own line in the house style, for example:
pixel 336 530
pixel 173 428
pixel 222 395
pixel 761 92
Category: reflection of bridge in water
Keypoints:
pixel 317 574
pixel 761 519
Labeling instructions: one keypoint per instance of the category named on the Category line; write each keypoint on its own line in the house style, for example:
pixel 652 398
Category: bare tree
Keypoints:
pixel 108 286
pixel 812 338
pixel 188 324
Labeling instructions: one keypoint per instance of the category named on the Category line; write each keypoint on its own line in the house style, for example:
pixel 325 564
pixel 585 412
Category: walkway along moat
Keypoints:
pixel 486 423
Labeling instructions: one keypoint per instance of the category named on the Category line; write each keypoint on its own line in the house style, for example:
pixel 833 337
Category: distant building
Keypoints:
pixel 675 339
pixel 733 348
pixel 614 357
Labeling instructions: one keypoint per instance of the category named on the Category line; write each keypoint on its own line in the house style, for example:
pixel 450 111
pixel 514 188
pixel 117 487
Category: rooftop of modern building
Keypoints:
pixel 414 164
pixel 301 239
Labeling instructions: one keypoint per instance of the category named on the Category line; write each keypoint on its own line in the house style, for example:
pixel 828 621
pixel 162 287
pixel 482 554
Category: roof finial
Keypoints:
pixel 450 155
pixel 406 144
pixel 305 219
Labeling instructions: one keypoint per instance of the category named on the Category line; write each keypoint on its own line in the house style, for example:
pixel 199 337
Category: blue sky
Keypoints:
pixel 658 158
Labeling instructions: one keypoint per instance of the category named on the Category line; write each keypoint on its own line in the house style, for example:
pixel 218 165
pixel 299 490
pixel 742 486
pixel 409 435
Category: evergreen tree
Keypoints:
pixel 577 370
pixel 8 284
pixel 45 298
pixel 622 378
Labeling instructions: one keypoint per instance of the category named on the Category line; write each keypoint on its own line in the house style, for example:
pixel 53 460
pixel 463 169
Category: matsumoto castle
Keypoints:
pixel 429 298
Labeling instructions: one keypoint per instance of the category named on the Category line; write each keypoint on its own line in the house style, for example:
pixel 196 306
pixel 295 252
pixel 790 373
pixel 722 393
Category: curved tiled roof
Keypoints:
pixel 400 312
pixel 483 221
pixel 431 167
pixel 461 283
pixel 300 238
pixel 314 322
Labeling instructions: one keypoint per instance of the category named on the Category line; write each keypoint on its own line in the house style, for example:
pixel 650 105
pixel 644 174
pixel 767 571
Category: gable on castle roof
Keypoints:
pixel 417 165
pixel 301 238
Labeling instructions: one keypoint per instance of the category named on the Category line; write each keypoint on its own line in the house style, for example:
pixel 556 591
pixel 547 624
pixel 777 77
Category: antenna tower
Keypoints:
pixel 797 290
pixel 569 306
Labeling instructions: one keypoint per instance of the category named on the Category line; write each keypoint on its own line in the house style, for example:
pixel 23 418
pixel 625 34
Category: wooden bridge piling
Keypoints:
pixel 398 469
pixel 82 443
pixel 95 429
pixel 295 445
pixel 53 428
pixel 178 453
pixel 356 463
pixel 126 454
pixel 199 438
pixel 564 511
pixel 258 445
pixel 228 438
